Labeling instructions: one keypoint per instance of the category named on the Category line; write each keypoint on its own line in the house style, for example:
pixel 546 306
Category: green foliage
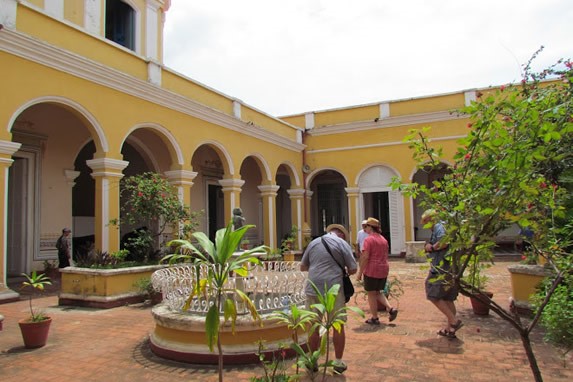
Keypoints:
pixel 49 265
pixel 324 317
pixel 36 281
pixel 275 369
pixel 558 314
pixel 100 259
pixel 513 167
pixel 221 264
pixel 151 201
pixel 289 241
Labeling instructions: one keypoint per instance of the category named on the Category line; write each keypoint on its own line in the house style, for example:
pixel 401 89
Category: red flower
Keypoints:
pixel 543 185
pixel 523 257
pixel 470 125
pixel 468 156
pixel 502 88
pixel 140 193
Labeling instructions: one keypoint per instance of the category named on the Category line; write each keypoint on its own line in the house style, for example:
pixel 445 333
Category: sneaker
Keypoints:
pixel 339 367
pixel 393 314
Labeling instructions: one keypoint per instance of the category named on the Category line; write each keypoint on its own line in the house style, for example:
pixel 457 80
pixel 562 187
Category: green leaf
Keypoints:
pixel 212 326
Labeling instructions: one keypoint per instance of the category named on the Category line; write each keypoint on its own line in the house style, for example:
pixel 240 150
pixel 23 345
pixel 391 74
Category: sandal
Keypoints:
pixel 393 313
pixel 373 321
pixel 457 326
pixel 447 333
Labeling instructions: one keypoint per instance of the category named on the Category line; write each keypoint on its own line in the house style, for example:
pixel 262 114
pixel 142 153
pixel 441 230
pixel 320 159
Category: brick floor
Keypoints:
pixel 112 345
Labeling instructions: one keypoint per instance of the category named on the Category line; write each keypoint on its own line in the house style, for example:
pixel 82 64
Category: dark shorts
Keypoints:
pixel 440 289
pixel 372 283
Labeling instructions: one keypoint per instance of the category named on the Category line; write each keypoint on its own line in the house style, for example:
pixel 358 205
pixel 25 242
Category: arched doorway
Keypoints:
pixel 378 200
pixel 329 203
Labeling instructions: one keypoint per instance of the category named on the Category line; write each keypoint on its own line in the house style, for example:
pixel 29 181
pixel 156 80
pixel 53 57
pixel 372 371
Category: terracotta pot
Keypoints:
pixel 479 308
pixel 35 334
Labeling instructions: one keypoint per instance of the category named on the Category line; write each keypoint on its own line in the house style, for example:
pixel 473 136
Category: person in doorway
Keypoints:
pixel 439 285
pixel 324 272
pixel 374 267
pixel 64 247
pixel 360 238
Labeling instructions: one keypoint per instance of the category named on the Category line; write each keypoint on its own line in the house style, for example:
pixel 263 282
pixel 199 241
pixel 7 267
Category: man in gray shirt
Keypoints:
pixel 323 269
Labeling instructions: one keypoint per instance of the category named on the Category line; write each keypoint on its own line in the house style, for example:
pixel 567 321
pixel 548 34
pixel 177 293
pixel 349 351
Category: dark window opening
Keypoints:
pixel 120 23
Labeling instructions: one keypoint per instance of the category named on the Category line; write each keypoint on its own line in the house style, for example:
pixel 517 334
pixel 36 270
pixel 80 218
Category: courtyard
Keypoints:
pixel 112 345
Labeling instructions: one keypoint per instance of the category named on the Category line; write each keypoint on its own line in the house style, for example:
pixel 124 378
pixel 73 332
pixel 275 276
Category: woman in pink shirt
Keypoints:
pixel 374 266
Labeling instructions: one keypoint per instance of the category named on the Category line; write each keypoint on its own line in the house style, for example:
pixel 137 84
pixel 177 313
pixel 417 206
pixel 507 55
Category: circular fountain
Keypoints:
pixel 180 334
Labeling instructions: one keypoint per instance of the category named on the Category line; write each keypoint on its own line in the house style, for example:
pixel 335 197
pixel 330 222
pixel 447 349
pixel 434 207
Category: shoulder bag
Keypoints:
pixel 346 282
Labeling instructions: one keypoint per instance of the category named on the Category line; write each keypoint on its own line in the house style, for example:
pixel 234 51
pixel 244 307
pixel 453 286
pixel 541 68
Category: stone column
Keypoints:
pixel 269 196
pixel 182 180
pixel 353 214
pixel 297 214
pixel 231 188
pixel 107 173
pixel 7 149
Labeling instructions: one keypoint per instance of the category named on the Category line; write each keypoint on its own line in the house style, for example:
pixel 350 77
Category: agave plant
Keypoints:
pixel 222 261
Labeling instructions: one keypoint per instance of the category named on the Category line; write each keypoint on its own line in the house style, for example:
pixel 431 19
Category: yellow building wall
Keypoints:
pixel 352 114
pixel 74 12
pixel 427 104
pixel 45 28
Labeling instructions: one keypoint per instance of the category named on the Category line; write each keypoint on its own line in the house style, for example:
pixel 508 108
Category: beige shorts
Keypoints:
pixel 338 304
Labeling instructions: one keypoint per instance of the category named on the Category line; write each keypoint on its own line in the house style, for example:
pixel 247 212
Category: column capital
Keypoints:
pixel 309 194
pixel 268 189
pixel 296 193
pixel 352 191
pixel 231 184
pixel 181 177
pixel 9 147
pixel 71 176
pixel 107 167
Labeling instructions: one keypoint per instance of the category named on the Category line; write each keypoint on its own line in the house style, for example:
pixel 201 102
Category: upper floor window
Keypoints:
pixel 120 23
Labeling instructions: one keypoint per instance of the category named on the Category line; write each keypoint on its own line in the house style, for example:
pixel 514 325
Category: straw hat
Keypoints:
pixel 373 222
pixel 341 228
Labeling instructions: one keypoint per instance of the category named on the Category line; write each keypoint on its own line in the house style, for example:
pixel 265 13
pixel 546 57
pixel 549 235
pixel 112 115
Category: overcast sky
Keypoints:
pixel 292 56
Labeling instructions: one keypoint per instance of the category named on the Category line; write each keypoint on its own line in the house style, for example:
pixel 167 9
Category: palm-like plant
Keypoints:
pixel 222 262
pixel 328 318
pixel 296 319
pixel 36 281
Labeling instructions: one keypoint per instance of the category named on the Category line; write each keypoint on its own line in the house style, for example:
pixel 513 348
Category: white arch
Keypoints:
pixel 266 167
pixel 318 170
pixel 293 169
pixel 223 150
pixel 376 178
pixel 164 132
pixel 374 165
pixel 72 104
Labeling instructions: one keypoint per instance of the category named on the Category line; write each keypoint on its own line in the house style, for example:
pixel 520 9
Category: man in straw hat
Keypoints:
pixel 360 238
pixel 440 288
pixel 325 270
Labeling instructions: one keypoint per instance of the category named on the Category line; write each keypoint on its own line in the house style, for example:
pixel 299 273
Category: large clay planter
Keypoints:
pixel 524 282
pixel 35 334
pixel 415 252
pixel 479 308
pixel 103 288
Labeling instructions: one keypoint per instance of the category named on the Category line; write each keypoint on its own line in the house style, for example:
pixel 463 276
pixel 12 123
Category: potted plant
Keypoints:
pixel 51 269
pixel 477 281
pixel 36 327
pixel 145 286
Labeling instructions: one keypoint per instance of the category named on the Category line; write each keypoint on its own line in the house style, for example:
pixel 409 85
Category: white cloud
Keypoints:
pixel 287 57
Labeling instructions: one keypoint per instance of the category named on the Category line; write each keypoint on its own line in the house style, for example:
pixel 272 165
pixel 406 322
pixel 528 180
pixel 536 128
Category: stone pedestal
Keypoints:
pixel 415 252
